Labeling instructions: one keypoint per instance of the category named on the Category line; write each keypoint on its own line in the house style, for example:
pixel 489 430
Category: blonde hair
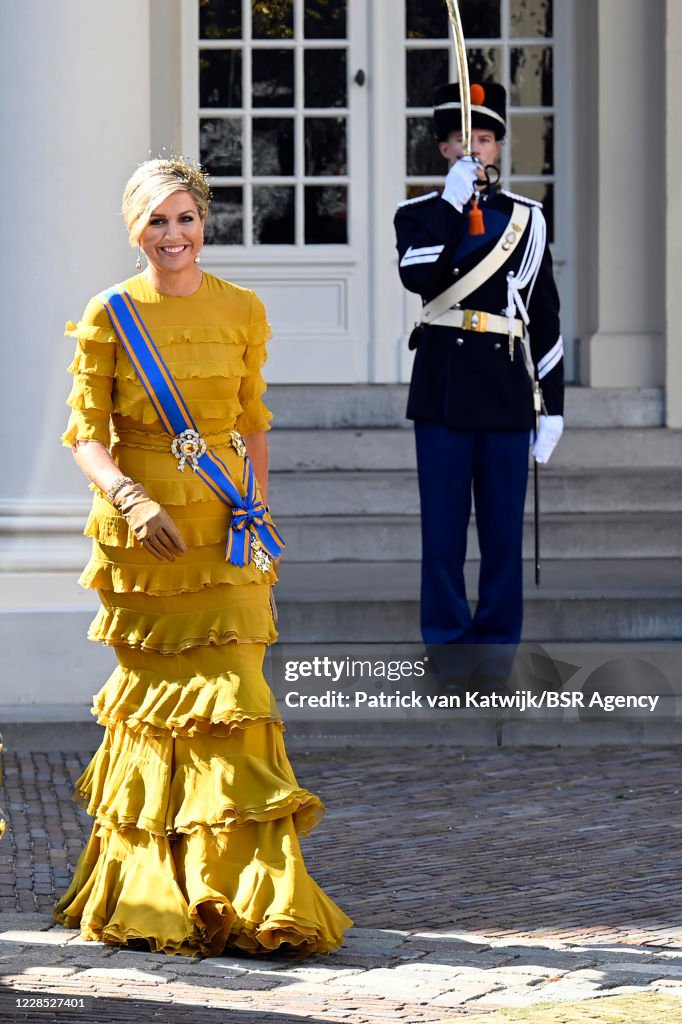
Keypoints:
pixel 154 181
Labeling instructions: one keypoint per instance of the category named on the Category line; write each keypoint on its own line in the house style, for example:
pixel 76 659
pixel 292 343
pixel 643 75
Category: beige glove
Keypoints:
pixel 150 522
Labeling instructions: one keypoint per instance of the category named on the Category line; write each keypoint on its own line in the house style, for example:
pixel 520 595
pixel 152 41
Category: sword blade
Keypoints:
pixel 462 72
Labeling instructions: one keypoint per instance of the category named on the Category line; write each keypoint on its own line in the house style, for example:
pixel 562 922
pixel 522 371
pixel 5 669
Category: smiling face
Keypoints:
pixel 174 234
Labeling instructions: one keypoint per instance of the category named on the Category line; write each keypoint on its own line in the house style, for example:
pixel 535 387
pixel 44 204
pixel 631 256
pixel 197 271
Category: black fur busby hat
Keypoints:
pixel 488 109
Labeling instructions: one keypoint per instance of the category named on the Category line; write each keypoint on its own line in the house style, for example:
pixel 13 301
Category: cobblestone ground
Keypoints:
pixel 484 885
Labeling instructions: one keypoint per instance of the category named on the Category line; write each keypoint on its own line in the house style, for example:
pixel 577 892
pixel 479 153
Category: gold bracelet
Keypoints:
pixel 114 488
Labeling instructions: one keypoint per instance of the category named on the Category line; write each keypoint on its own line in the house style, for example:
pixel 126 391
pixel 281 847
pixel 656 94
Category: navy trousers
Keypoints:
pixel 494 465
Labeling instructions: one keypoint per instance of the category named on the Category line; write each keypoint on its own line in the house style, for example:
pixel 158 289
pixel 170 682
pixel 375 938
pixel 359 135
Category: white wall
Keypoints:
pixel 74 82
pixel 627 346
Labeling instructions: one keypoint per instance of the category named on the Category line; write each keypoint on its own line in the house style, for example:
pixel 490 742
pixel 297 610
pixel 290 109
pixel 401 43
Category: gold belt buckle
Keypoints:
pixel 474 320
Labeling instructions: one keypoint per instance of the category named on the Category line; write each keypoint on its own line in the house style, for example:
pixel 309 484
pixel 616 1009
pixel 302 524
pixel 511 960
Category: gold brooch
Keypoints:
pixel 237 442
pixel 188 446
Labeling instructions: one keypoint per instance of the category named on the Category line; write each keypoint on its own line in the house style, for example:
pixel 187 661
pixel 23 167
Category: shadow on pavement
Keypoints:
pixel 27 1005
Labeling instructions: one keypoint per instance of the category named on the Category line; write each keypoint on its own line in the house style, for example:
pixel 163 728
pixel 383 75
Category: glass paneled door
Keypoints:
pixel 314 120
pixel 525 45
pixel 278 118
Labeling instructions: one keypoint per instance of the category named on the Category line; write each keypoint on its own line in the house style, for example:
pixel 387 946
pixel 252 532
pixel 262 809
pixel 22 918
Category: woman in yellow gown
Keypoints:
pixel 197 810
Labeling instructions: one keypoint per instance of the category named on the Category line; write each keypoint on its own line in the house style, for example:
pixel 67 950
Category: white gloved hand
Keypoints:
pixel 550 430
pixel 460 182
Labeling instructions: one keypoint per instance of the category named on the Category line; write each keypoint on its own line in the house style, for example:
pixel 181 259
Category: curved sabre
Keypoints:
pixel 462 73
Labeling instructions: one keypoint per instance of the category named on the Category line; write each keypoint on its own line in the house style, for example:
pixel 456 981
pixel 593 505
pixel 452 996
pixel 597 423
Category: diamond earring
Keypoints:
pixel 197 259
pixel 138 265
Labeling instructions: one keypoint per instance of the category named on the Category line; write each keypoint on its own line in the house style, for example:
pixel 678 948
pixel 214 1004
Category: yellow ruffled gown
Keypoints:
pixel 198 814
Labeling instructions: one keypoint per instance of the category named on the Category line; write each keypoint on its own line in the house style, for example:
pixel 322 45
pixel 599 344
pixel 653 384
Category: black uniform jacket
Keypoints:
pixel 464 379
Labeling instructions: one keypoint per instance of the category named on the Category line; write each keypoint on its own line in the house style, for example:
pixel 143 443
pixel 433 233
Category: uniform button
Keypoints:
pixel 456 270
pixel 460 341
pixel 497 345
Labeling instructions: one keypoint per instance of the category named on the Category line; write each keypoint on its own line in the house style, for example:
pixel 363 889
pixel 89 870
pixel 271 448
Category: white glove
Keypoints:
pixel 550 430
pixel 460 182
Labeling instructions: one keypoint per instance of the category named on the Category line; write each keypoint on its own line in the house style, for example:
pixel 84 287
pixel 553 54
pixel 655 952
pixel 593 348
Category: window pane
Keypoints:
pixel 273 146
pixel 485 64
pixel 532 145
pixel 412 191
pixel 531 76
pixel 422 155
pixel 324 19
pixel 273 78
pixel 325 145
pixel 273 215
pixel 220 78
pixel 425 70
pixel 543 191
pixel 480 18
pixel 224 224
pixel 220 145
pixel 426 19
pixel 531 18
pixel 326 215
pixel 325 78
pixel 272 19
pixel 220 19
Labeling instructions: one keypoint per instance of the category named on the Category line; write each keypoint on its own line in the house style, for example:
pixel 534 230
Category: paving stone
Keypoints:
pixel 457 903
pixel 11 921
pixel 210 972
pixel 45 971
pixel 409 982
pixel 38 938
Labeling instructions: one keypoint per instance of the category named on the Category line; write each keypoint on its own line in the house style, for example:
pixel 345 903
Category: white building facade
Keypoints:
pixel 312 117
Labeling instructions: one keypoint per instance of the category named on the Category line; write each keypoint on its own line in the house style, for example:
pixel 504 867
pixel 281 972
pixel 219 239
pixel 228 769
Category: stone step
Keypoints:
pixel 385 538
pixel 44 617
pixel 393 449
pixel 383 405
pixel 386 492
pixel 588 600
pixel 646 488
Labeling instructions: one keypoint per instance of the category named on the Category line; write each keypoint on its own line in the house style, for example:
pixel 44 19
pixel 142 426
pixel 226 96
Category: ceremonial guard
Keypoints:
pixel 488 369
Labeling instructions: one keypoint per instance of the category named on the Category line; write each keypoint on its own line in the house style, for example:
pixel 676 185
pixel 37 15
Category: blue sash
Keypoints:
pixel 251 535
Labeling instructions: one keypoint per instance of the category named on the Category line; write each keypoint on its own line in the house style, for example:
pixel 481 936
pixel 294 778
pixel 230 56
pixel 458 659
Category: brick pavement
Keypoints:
pixel 480 881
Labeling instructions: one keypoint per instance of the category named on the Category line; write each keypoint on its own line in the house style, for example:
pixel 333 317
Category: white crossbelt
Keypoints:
pixel 478 275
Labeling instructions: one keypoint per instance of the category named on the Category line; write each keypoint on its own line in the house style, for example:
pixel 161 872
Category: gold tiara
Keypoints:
pixel 189 171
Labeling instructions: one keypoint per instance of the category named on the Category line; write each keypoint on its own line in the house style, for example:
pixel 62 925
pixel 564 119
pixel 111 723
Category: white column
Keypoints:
pixel 75 87
pixel 673 256
pixel 627 347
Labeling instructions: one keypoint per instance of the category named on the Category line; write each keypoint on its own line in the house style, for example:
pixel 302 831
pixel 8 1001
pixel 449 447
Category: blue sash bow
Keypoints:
pixel 251 535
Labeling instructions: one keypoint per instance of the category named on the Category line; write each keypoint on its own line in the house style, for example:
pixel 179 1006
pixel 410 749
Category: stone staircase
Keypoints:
pixel 345 494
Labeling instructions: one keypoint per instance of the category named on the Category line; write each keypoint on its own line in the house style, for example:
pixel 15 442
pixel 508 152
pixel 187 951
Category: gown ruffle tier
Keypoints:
pixel 195 845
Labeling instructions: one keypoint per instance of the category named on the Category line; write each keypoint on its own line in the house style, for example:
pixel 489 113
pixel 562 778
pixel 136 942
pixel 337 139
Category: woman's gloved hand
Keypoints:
pixel 550 430
pixel 150 522
pixel 461 181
